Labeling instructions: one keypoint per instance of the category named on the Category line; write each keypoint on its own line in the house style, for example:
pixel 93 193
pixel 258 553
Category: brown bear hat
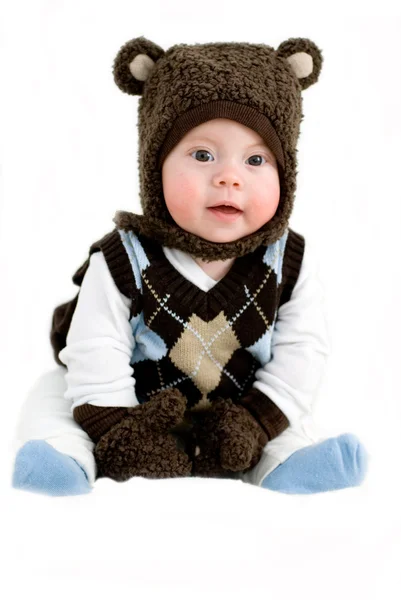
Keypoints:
pixel 187 85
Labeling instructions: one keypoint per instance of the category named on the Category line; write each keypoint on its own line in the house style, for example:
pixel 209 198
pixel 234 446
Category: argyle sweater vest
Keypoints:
pixel 206 344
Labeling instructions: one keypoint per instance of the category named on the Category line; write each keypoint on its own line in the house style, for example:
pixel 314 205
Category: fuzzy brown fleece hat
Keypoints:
pixel 187 85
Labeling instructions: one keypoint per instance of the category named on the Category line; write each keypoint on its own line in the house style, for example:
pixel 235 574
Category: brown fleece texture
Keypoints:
pixel 160 439
pixel 228 440
pixel 141 444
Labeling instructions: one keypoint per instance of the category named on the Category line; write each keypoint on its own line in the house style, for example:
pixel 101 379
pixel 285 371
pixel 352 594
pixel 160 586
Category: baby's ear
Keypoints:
pixel 305 59
pixel 134 63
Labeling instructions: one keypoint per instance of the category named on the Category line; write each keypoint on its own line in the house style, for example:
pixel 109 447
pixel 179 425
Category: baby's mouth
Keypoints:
pixel 226 209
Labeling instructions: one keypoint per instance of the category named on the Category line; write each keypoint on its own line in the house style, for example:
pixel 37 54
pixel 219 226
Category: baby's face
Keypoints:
pixel 216 162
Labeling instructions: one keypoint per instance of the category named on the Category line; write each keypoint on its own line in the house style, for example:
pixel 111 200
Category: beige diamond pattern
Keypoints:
pixel 202 352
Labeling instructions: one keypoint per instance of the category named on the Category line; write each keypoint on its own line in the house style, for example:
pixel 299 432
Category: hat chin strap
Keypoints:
pixel 173 236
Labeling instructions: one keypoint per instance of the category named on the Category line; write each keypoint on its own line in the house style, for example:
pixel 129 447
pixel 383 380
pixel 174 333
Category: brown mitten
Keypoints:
pixel 141 444
pixel 228 438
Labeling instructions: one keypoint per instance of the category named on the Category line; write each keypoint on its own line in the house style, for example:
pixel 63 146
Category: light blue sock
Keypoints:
pixel 333 464
pixel 40 468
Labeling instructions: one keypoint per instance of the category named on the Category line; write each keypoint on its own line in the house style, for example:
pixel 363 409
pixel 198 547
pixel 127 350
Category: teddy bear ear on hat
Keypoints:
pixel 305 59
pixel 134 63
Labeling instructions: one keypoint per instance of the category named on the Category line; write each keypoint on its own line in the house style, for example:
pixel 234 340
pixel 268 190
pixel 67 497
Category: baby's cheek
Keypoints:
pixel 181 197
pixel 187 189
pixel 186 194
pixel 263 208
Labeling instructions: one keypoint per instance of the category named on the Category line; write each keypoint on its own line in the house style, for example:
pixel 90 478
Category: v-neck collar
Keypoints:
pixel 189 268
pixel 241 272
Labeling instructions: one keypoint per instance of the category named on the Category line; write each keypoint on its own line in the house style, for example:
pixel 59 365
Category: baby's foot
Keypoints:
pixel 335 463
pixel 42 469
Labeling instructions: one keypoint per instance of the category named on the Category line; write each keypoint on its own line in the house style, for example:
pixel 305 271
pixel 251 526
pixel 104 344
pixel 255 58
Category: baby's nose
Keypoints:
pixel 228 179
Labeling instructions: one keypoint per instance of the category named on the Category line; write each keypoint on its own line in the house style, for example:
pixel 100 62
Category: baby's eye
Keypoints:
pixel 258 162
pixel 201 154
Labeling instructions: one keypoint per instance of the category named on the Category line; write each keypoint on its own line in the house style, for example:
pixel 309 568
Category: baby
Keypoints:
pixel 198 340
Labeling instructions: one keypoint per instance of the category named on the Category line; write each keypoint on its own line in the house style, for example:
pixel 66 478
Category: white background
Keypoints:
pixel 69 161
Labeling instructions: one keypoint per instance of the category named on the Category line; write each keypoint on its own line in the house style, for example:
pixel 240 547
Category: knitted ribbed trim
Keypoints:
pixel 268 415
pixel 293 256
pixel 98 420
pixel 118 263
pixel 226 290
pixel 242 113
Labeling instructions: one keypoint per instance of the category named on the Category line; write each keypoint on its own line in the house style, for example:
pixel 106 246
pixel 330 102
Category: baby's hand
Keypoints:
pixel 228 440
pixel 242 438
pixel 142 445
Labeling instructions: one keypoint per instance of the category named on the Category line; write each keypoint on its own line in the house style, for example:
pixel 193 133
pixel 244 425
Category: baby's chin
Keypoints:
pixel 218 235
pixel 211 236
pixel 220 239
pixel 221 236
